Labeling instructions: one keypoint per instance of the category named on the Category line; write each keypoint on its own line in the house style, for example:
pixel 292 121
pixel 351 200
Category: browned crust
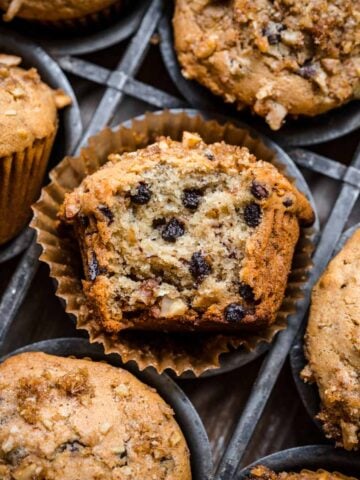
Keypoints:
pixel 333 345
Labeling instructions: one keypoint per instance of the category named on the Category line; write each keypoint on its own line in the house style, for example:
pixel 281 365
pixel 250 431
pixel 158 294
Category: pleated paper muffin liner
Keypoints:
pixel 21 176
pixel 194 352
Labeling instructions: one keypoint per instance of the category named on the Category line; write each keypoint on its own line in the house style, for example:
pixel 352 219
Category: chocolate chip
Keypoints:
pixel 287 202
pixel 84 221
pixel 272 32
pixel 252 214
pixel 107 213
pixel 258 190
pixel 307 71
pixel 191 198
pixel 142 195
pixel 234 313
pixel 72 447
pixel 94 269
pixel 199 267
pixel 173 230
pixel 246 292
pixel 122 454
pixel 209 155
pixel 158 222
pixel 15 456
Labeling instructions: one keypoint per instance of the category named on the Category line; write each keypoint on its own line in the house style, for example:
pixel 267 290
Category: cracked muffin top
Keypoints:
pixel 263 473
pixel 52 10
pixel 333 345
pixel 28 107
pixel 63 418
pixel 278 57
pixel 184 236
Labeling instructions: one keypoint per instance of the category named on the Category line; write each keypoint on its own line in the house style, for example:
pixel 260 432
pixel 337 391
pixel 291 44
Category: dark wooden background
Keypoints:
pixel 219 399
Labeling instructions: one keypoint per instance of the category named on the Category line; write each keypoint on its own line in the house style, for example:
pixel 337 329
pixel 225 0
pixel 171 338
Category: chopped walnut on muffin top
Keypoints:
pixel 185 236
pixel 63 418
pixel 278 57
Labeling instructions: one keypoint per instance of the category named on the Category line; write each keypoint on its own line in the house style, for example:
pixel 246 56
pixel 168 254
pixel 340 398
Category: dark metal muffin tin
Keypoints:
pixel 185 414
pixel 311 457
pixel 70 127
pixel 244 426
pixel 70 43
pixel 304 131
pixel 308 391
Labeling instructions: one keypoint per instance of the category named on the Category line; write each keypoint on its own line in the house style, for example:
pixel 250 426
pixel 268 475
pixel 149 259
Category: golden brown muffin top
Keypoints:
pixel 263 473
pixel 278 57
pixel 51 10
pixel 333 345
pixel 28 107
pixel 63 418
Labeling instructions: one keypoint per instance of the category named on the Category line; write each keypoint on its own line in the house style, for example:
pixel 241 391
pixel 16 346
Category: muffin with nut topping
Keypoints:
pixel 185 236
pixel 28 125
pixel 65 418
pixel 279 58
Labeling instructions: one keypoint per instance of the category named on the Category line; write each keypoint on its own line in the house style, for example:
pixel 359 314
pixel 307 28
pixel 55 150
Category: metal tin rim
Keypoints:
pixel 185 413
pixel 323 128
pixel 239 357
pixel 309 392
pixel 308 457
pixel 17 245
pixel 71 124
pixel 94 41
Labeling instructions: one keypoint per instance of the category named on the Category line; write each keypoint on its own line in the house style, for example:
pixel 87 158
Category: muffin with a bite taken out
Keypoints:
pixel 186 237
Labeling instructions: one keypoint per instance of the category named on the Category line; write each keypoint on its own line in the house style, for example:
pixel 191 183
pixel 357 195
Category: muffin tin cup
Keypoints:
pixel 308 392
pixel 88 34
pixel 23 171
pixel 185 414
pixel 310 457
pixel 302 131
pixel 193 353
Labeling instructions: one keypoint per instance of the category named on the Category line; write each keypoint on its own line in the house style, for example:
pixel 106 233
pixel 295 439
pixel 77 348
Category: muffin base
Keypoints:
pixel 21 176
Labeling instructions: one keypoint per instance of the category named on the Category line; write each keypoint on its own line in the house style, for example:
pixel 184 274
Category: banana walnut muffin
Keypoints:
pixel 184 236
pixel 67 419
pixel 263 473
pixel 333 345
pixel 279 57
